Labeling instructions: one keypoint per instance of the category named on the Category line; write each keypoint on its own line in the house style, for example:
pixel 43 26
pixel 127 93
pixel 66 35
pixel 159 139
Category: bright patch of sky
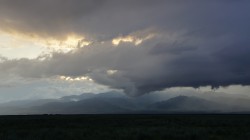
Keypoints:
pixel 15 46
pixel 47 89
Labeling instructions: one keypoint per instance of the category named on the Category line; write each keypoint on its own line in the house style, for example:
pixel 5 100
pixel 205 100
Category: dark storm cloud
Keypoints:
pixel 104 19
pixel 176 49
pixel 57 18
pixel 195 44
pixel 45 17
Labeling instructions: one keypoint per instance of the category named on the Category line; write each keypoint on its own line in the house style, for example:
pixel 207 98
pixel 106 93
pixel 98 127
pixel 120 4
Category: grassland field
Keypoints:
pixel 125 127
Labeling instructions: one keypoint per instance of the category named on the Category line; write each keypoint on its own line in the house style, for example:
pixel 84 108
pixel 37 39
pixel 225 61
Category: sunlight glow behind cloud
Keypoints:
pixel 131 39
pixel 72 79
pixel 111 72
pixel 13 45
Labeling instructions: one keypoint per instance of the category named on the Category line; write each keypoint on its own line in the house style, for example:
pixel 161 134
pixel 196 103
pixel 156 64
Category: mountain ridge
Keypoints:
pixel 117 103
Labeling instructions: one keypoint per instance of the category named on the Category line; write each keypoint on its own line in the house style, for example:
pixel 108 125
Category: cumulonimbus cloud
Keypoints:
pixel 194 45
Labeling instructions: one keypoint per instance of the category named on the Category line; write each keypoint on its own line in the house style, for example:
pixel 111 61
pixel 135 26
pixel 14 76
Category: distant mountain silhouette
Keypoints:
pixel 105 104
pixel 115 103
pixel 188 104
pixel 77 97
pixel 27 103
pixel 86 106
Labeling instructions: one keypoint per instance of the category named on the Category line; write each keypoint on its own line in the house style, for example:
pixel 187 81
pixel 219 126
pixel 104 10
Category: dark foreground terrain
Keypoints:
pixel 124 127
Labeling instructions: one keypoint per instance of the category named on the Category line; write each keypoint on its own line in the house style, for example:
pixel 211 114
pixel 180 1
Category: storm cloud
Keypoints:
pixel 192 44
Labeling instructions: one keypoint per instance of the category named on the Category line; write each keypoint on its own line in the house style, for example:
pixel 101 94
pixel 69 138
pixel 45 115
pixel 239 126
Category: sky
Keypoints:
pixel 50 49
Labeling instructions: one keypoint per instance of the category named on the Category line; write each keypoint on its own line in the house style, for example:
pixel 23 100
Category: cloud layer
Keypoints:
pixel 192 44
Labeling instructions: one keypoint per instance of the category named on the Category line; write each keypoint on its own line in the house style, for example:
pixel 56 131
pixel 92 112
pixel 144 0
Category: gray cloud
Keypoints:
pixel 104 19
pixel 196 44
pixel 94 18
pixel 45 18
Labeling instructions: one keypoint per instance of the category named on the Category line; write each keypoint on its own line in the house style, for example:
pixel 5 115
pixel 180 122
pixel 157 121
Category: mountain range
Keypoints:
pixel 118 103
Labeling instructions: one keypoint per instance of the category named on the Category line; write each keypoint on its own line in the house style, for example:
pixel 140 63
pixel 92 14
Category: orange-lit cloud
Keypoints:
pixel 131 39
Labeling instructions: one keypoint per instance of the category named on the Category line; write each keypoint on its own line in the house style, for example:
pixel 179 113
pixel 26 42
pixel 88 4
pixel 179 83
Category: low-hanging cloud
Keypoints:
pixel 199 44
